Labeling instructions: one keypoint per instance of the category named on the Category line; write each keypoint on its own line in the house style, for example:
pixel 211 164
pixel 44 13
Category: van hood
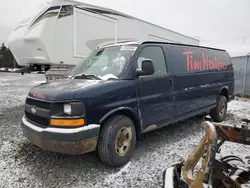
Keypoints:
pixel 60 90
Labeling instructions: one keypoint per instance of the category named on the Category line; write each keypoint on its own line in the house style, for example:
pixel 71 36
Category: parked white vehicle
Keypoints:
pixel 62 32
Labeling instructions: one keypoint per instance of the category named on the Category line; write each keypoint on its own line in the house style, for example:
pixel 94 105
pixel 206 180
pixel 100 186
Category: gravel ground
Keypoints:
pixel 24 165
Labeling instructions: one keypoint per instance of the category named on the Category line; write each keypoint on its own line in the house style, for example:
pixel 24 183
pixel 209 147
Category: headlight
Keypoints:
pixel 67 109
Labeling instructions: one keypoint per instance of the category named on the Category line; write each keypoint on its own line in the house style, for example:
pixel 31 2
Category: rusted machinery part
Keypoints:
pixel 225 175
pixel 217 173
pixel 240 135
pixel 206 150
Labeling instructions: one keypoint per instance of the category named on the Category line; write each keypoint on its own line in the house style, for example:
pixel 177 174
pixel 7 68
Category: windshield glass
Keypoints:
pixel 106 63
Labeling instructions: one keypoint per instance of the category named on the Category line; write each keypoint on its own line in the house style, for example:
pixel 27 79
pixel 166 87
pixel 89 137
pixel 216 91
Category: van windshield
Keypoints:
pixel 106 63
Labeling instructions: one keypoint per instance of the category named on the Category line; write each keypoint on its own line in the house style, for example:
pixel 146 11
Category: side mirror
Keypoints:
pixel 147 68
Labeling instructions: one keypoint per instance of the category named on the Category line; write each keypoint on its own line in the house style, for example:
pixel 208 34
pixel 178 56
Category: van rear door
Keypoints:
pixel 155 94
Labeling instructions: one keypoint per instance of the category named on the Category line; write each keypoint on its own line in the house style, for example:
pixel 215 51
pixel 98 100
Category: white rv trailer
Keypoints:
pixel 62 32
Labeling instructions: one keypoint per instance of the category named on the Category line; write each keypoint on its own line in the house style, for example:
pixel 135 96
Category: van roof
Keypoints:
pixel 123 43
pixel 157 42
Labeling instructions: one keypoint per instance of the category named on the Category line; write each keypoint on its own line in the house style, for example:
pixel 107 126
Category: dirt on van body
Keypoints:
pixel 25 165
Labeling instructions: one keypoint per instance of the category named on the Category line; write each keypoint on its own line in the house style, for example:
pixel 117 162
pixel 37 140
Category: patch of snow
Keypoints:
pixel 37 82
pixel 235 106
pixel 4 84
pixel 87 83
pixel 11 176
pixel 108 76
pixel 4 80
pixel 125 169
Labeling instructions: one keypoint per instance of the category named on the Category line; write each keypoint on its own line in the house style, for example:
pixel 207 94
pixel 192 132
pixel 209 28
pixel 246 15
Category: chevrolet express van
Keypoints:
pixel 121 91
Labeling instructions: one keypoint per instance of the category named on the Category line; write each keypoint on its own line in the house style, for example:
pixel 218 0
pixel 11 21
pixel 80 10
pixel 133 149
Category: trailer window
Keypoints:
pixel 66 10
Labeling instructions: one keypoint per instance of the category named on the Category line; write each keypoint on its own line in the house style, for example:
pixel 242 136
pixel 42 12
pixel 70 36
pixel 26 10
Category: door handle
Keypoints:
pixel 170 82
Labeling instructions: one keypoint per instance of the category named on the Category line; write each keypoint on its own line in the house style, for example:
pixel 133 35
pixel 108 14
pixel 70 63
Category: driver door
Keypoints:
pixel 155 92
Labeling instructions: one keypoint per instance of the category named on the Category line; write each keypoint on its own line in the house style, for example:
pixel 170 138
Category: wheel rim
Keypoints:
pixel 123 141
pixel 222 108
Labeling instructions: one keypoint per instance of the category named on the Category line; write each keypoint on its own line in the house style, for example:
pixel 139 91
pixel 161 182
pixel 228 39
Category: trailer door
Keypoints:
pixel 91 30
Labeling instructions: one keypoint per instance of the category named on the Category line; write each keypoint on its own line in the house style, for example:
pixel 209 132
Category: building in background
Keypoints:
pixel 242 74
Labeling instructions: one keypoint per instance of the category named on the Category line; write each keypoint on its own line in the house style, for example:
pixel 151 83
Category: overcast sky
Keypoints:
pixel 219 23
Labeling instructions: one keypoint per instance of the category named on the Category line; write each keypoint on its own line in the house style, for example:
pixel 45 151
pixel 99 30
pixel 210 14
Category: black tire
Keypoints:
pixel 107 141
pixel 216 114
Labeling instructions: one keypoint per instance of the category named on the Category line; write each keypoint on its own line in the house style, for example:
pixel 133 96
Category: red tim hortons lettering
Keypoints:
pixel 216 63
pixel 204 61
pixel 210 64
pixel 197 65
pixel 188 54
pixel 205 64
pixel 223 65
pixel 191 62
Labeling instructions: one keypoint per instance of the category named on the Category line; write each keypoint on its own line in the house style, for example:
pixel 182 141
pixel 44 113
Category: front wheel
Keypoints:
pixel 218 114
pixel 117 141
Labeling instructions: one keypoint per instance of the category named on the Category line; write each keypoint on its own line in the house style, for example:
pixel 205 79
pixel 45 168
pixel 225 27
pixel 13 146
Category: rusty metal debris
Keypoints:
pixel 213 172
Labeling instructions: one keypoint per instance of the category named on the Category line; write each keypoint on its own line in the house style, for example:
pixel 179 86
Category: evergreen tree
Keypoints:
pixel 6 57
pixel 3 50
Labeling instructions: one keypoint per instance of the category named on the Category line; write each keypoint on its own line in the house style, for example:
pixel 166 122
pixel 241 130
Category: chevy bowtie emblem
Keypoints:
pixel 33 109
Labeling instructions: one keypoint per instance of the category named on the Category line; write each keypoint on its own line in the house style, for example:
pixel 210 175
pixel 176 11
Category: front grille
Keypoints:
pixel 39 104
pixel 36 118
pixel 39 121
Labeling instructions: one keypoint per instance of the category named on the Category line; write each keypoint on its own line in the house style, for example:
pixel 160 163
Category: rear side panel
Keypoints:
pixel 63 38
pixel 199 75
pixel 91 30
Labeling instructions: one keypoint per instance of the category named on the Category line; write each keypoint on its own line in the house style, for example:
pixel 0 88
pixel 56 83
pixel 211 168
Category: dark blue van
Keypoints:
pixel 121 91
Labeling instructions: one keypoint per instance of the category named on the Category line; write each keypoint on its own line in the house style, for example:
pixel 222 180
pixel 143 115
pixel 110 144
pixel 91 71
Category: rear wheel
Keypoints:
pixel 117 141
pixel 218 114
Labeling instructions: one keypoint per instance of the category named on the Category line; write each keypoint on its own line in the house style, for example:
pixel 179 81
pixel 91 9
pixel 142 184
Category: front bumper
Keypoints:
pixel 72 141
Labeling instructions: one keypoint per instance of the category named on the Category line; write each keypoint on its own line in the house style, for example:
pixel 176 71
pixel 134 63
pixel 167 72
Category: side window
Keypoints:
pixel 156 54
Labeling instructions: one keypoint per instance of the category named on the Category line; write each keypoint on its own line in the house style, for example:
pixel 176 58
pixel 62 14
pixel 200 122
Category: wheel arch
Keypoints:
pixel 224 92
pixel 129 112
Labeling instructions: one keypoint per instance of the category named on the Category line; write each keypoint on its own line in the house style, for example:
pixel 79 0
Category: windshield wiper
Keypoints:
pixel 86 76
